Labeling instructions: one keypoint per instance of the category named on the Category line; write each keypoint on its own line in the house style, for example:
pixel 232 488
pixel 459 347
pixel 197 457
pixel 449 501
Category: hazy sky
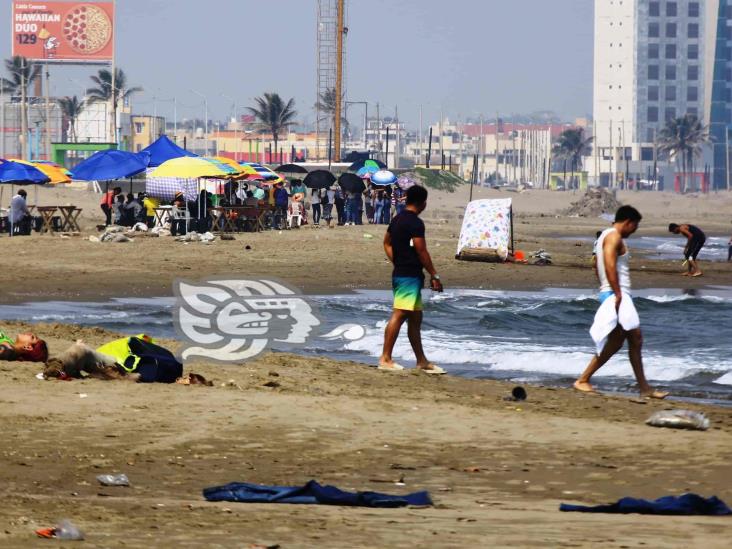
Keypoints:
pixel 468 56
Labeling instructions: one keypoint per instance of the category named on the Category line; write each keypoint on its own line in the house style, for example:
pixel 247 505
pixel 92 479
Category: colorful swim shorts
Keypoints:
pixel 407 292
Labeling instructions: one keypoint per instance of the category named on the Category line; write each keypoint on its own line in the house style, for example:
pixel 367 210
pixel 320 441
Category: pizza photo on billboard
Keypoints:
pixel 87 28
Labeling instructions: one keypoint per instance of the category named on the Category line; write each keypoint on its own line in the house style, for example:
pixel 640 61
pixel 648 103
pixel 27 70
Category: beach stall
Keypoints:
pixel 487 231
pixel 16 173
pixel 163 149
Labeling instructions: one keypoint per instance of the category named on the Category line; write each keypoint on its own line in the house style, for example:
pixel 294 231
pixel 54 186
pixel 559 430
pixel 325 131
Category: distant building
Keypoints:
pixel 10 127
pixel 657 60
pixel 145 130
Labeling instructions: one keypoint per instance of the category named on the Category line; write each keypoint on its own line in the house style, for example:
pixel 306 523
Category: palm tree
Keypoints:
pixel 103 92
pixel 273 114
pixel 571 146
pixel 326 106
pixel 21 71
pixel 71 108
pixel 22 74
pixel 683 138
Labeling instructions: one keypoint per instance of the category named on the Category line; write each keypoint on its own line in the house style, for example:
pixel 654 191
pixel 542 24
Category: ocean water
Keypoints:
pixel 669 247
pixel 526 337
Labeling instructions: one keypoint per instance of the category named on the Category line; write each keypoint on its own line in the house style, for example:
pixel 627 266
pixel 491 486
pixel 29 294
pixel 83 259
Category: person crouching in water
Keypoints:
pixel 25 347
pixel 695 239
pixel 617 319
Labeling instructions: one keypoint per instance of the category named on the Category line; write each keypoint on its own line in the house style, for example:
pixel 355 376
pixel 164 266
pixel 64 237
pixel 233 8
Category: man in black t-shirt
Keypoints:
pixel 406 248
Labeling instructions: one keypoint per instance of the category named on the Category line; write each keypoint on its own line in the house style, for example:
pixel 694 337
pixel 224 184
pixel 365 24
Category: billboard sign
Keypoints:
pixel 64 31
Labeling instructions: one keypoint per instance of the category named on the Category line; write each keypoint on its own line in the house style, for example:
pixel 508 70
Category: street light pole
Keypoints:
pixel 205 120
pixel 365 119
pixel 236 125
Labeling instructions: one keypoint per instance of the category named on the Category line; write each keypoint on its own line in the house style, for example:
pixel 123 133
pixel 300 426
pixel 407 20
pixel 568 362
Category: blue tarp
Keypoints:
pixel 164 149
pixel 111 164
pixel 310 493
pixel 688 504
pixel 17 173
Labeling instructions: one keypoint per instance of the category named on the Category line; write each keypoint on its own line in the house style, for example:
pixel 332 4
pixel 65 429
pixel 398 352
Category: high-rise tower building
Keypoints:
pixel 656 60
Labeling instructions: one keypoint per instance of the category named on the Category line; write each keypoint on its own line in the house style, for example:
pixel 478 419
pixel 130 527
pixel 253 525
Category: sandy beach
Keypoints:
pixel 336 260
pixel 497 470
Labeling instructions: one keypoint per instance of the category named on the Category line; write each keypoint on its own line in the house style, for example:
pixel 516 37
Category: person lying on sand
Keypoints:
pixel 80 360
pixel 617 319
pixel 25 347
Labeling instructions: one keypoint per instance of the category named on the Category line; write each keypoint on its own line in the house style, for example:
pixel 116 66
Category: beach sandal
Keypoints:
pixel 434 370
pixel 393 368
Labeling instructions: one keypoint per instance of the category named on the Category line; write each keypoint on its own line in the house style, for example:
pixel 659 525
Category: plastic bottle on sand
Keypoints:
pixel 114 480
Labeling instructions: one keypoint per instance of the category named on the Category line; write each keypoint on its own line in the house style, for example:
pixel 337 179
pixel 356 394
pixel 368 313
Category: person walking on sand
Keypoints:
pixel 695 239
pixel 406 248
pixel 617 319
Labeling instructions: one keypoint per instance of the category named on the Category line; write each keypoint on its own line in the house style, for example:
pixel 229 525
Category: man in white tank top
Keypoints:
pixel 616 320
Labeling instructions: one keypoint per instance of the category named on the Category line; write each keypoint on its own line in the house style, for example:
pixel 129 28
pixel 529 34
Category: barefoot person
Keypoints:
pixel 616 319
pixel 695 239
pixel 406 248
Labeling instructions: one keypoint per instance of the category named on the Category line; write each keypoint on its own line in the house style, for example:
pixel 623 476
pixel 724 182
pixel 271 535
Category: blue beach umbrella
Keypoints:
pixel 367 171
pixel 16 173
pixel 110 165
pixel 164 149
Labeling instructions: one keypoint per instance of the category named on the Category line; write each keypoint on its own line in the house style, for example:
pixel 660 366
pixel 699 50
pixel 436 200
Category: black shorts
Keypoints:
pixel 694 247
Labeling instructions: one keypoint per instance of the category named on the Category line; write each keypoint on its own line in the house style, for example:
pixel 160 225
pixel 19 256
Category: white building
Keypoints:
pixel 656 60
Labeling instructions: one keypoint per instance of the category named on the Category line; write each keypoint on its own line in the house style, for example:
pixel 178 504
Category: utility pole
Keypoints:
pixel 497 155
pixel 442 150
pixel 397 144
pixel 48 116
pixel 378 131
pixel 726 156
pixel 23 112
pixel 339 81
pixel 419 150
pixel 113 96
pixel 482 150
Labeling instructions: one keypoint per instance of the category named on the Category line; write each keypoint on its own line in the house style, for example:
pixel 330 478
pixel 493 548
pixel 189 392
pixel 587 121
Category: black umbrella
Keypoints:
pixel 319 179
pixel 351 183
pixel 366 162
pixel 290 168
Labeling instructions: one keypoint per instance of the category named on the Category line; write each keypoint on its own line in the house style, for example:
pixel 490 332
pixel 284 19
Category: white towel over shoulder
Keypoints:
pixel 607 318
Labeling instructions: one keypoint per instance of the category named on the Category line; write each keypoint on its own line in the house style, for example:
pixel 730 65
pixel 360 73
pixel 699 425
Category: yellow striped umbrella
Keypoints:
pixel 193 167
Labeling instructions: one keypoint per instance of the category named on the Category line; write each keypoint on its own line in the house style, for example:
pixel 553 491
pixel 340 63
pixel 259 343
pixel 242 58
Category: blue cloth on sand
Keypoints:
pixel 688 504
pixel 312 493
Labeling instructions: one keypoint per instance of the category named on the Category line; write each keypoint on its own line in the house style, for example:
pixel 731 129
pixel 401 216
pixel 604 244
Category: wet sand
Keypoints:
pixel 496 470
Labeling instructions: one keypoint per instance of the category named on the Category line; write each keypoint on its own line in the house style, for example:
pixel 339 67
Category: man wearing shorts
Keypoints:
pixel 406 248
pixel 616 319
pixel 695 239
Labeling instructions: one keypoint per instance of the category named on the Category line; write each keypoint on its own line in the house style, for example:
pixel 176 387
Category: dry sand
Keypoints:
pixel 496 470
pixel 339 259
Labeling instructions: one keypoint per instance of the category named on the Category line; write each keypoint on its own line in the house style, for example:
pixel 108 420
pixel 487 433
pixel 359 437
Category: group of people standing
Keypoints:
pixel 379 203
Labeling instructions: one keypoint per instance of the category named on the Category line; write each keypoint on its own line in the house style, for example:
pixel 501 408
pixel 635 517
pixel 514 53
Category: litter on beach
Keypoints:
pixel 311 493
